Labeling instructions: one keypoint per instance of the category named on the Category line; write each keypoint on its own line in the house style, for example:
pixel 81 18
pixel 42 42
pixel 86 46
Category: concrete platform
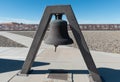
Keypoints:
pixel 67 59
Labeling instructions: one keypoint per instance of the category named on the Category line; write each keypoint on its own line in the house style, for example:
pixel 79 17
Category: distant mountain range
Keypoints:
pixel 13 26
pixel 17 26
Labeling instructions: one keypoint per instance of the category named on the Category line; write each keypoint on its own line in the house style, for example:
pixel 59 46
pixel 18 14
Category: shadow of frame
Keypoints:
pixel 107 74
pixel 8 65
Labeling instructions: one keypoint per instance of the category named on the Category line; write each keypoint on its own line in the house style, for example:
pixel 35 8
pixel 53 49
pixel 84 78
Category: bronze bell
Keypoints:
pixel 58 34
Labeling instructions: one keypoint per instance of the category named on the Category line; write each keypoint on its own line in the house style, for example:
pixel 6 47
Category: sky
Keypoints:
pixel 86 11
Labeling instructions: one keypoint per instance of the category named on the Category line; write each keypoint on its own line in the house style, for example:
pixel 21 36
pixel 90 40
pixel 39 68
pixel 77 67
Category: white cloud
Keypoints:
pixel 7 19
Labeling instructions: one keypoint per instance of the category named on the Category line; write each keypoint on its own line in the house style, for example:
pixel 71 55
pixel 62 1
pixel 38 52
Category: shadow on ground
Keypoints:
pixel 107 74
pixel 7 65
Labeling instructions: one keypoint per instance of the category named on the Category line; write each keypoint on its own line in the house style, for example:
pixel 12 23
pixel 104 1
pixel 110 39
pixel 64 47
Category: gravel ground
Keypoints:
pixel 106 41
pixel 24 33
pixel 5 42
pixel 27 33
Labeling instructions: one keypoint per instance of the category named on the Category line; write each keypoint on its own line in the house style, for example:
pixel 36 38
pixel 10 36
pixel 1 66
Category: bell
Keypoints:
pixel 58 34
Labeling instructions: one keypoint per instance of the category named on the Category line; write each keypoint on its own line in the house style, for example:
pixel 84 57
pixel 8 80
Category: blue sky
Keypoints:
pixel 86 11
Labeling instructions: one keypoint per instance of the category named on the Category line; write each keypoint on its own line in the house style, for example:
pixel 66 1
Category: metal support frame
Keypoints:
pixel 67 10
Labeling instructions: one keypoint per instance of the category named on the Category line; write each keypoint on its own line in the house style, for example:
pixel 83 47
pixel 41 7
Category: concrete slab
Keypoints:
pixel 66 58
pixel 70 60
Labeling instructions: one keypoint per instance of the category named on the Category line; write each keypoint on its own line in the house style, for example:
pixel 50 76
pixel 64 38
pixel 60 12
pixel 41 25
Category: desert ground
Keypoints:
pixel 106 41
pixel 6 42
pixel 107 63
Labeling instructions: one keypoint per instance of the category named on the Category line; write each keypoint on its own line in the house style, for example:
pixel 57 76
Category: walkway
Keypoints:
pixel 65 59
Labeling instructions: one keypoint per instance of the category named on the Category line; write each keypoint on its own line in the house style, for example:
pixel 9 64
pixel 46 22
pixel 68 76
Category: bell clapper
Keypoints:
pixel 56 47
